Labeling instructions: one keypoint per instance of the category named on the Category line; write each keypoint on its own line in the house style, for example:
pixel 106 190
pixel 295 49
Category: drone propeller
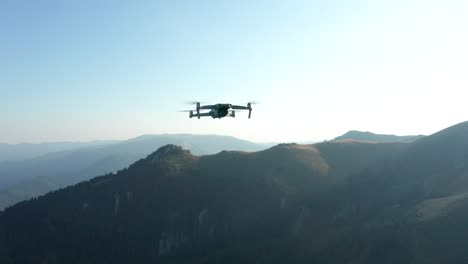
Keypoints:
pixel 198 107
pixel 185 111
pixel 194 102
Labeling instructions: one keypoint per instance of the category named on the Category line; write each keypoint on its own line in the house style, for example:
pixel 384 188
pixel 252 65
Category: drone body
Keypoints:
pixel 218 110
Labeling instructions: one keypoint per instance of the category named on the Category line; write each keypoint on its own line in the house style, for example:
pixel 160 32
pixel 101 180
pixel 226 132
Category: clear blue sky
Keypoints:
pixel 85 70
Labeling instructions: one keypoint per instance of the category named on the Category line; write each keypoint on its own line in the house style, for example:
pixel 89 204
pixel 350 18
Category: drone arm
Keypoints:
pixel 206 107
pixel 239 107
pixel 199 115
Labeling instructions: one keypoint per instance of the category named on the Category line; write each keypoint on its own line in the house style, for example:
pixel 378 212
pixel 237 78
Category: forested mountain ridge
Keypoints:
pixel 332 202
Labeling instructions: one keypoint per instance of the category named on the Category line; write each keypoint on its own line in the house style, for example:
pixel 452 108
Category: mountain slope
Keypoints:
pixel 412 209
pixel 437 165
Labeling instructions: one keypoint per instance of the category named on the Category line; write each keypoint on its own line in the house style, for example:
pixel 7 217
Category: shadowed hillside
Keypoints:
pixel 332 202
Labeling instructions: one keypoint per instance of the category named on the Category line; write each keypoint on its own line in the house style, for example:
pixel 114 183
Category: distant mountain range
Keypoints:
pixel 371 137
pixel 24 179
pixel 331 202
pixel 22 151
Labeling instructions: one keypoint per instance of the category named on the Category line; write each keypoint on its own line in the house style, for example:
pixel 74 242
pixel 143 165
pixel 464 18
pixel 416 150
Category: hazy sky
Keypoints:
pixel 84 70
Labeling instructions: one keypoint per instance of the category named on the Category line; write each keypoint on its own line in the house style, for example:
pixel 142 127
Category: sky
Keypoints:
pixel 89 70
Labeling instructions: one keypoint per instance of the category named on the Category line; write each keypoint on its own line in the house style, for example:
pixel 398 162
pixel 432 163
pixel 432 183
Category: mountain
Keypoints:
pixel 331 202
pixel 24 179
pixel 22 151
pixel 225 208
pixel 417 203
pixel 371 137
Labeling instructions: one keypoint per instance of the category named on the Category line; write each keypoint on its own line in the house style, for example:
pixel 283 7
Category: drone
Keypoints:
pixel 218 110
